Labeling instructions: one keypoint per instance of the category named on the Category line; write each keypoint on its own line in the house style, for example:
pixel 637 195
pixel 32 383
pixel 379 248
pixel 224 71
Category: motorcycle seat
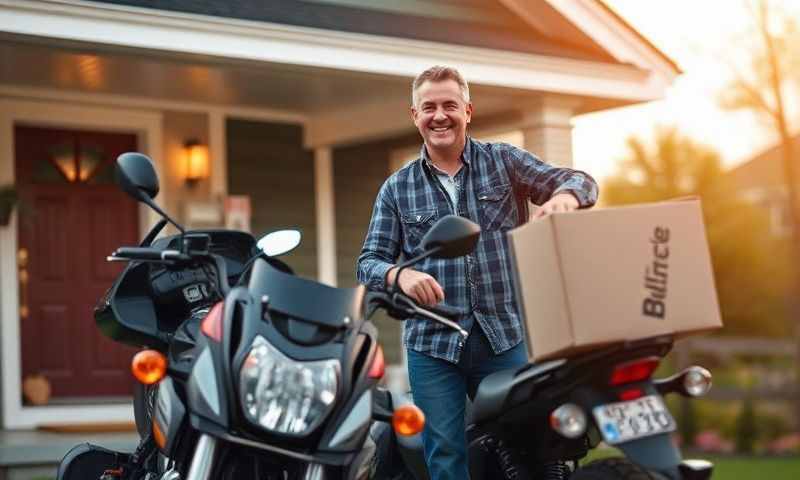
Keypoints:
pixel 494 392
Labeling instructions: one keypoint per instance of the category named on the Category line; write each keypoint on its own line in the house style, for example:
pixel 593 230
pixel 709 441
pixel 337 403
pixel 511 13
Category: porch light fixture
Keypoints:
pixel 196 162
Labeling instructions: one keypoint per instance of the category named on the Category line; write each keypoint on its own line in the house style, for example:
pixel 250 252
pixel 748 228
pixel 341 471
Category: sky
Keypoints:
pixel 704 50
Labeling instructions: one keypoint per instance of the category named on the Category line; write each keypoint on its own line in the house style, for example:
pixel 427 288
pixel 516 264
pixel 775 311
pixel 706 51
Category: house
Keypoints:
pixel 762 181
pixel 302 106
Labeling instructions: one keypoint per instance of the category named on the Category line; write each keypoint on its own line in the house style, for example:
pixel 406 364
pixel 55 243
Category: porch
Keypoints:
pixel 306 122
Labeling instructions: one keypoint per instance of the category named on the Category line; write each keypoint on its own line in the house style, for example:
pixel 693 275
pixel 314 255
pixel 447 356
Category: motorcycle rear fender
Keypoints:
pixel 654 453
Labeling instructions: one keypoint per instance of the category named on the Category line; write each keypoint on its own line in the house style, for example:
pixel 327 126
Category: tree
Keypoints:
pixel 774 71
pixel 751 286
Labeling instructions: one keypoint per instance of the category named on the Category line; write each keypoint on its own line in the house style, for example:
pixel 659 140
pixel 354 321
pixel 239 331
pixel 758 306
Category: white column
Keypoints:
pixel 547 129
pixel 218 151
pixel 326 215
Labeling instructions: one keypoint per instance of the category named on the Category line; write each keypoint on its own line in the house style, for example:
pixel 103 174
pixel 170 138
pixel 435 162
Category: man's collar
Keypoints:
pixel 466 154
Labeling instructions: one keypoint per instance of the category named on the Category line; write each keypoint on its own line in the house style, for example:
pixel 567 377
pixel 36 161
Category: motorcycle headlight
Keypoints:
pixel 285 395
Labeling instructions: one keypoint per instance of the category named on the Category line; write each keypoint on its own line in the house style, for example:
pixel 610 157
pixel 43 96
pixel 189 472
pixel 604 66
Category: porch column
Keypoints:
pixel 547 129
pixel 326 215
pixel 218 151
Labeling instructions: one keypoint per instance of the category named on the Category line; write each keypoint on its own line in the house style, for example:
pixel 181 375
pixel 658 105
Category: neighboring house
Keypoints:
pixel 762 181
pixel 303 106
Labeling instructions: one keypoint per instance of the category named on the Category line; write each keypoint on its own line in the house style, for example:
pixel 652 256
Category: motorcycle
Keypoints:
pixel 539 421
pixel 249 370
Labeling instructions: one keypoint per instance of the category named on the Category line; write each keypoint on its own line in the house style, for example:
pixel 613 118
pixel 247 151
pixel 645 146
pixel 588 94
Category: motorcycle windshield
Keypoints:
pixel 306 300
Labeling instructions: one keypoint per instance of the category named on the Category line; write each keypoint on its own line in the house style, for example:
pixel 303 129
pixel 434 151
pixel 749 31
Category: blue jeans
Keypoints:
pixel 440 388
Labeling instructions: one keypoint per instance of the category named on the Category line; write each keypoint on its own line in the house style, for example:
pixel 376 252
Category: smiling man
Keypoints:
pixel 489 183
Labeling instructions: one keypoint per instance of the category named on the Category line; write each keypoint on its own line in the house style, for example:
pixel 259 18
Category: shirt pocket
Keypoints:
pixel 496 203
pixel 415 225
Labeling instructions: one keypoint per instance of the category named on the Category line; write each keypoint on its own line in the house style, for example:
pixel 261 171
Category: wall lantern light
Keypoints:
pixel 196 162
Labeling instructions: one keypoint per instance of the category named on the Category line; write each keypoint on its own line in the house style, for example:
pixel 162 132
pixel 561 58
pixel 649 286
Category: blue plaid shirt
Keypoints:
pixel 477 286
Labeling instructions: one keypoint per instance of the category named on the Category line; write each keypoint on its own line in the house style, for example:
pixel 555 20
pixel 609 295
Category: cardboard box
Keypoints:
pixel 595 277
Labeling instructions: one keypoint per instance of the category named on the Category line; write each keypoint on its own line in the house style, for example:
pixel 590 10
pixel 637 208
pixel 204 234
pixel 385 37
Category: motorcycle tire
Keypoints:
pixel 614 469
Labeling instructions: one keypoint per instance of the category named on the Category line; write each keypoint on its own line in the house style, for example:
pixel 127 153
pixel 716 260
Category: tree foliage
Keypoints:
pixel 772 74
pixel 750 266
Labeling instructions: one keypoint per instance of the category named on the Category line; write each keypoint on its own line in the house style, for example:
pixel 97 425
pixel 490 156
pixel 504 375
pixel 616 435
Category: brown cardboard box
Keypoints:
pixel 595 277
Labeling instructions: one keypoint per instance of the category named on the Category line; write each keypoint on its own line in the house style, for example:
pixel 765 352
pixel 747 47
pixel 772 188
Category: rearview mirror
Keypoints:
pixel 452 236
pixel 280 242
pixel 136 176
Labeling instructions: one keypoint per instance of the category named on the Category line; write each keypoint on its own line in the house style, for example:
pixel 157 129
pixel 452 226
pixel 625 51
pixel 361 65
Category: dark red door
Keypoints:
pixel 71 217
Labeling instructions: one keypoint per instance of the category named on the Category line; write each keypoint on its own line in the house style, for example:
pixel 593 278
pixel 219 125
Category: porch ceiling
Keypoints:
pixel 305 91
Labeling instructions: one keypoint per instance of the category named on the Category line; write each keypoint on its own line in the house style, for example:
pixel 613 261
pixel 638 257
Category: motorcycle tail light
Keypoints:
pixel 408 420
pixel 149 366
pixel 696 381
pixel 378 367
pixel 212 324
pixel 633 371
pixel 569 420
pixel 631 394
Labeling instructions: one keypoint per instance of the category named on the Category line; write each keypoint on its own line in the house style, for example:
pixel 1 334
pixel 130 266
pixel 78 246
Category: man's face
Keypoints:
pixel 441 114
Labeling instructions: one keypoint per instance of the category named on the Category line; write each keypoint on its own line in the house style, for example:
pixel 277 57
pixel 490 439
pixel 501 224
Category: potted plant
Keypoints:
pixel 8 198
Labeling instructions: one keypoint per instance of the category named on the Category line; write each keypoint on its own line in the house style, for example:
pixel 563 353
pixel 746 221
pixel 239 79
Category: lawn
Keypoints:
pixel 736 467
pixel 756 468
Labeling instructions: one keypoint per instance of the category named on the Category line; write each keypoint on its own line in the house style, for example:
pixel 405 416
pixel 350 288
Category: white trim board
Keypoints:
pixel 147 126
pixel 267 42
pixel 130 101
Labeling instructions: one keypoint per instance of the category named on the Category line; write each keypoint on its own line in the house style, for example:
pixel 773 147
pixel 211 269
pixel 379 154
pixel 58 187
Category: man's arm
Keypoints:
pixel 381 249
pixel 542 182
pixel 382 243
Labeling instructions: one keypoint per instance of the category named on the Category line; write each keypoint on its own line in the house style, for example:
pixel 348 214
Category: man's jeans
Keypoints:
pixel 439 389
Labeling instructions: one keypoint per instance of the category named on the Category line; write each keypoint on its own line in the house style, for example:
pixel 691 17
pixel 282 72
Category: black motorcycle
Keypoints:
pixel 249 371
pixel 539 421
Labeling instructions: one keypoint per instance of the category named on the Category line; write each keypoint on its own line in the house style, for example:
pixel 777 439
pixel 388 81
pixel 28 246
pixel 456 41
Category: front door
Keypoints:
pixel 71 217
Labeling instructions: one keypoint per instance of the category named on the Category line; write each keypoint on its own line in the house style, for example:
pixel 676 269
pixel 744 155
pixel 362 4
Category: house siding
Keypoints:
pixel 359 172
pixel 268 162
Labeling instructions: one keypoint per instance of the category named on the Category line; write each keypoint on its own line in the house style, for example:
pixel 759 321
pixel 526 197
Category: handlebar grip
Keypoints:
pixel 138 253
pixel 149 254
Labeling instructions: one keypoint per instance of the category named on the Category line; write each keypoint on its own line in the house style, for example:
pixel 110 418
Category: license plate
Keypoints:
pixel 624 421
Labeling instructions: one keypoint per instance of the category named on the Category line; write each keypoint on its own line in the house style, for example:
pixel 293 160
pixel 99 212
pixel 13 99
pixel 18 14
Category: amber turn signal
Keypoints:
pixel 408 420
pixel 158 436
pixel 149 366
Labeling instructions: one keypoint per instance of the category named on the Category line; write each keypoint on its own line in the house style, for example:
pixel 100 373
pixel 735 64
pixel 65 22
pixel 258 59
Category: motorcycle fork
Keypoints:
pixel 203 458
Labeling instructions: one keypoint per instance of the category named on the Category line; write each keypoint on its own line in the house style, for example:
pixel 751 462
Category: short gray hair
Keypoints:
pixel 439 73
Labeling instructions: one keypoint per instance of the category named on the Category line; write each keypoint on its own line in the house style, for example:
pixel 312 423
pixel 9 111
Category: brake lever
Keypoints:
pixel 427 313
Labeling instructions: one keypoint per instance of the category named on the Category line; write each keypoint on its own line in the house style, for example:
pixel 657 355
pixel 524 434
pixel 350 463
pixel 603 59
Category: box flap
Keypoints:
pixel 538 274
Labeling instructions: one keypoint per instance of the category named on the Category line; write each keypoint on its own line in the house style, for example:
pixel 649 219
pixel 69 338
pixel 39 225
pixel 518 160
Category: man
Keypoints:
pixel 456 174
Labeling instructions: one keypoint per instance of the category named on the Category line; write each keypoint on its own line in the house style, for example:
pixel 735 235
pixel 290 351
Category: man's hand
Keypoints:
pixel 423 288
pixel 561 202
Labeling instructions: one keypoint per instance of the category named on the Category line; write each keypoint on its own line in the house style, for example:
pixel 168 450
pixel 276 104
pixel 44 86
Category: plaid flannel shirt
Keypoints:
pixel 478 287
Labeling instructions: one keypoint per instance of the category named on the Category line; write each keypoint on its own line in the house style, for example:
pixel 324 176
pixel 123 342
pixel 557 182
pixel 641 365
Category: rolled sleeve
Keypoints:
pixel 382 243
pixel 541 181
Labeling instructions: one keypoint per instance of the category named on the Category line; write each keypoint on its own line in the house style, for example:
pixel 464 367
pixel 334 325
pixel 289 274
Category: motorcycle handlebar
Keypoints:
pixel 402 306
pixel 149 254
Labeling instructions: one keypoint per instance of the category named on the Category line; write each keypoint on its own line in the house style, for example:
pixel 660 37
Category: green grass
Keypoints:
pixel 756 468
pixel 734 467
